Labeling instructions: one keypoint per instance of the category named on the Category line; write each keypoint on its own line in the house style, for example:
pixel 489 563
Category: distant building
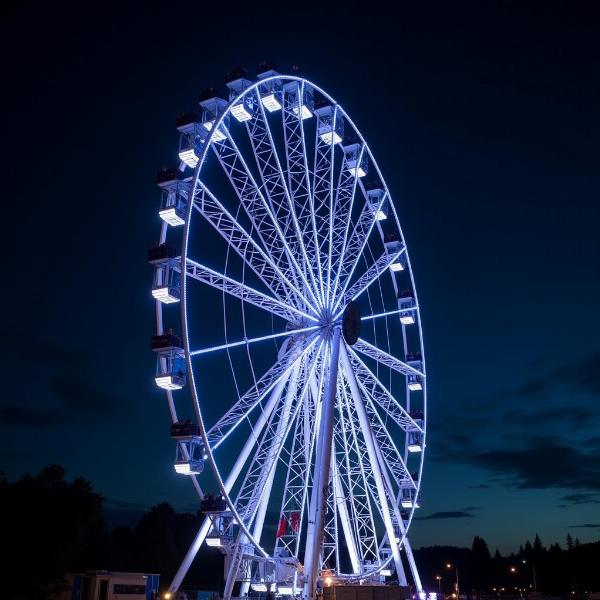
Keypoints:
pixel 109 585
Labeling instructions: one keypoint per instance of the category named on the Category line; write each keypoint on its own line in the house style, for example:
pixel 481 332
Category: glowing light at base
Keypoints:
pixel 271 103
pixel 287 590
pixel 170 216
pixel 331 137
pixel 218 135
pixel 386 572
pixel 240 113
pixel 306 114
pixel 185 468
pixel 259 587
pixel 214 541
pixel 168 382
pixel 164 295
pixel 189 158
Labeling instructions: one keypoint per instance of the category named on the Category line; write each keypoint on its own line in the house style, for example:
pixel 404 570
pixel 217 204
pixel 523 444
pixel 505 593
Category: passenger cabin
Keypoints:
pixel 212 504
pixel 330 125
pixel 414 380
pixel 377 201
pixel 174 194
pixel 244 109
pixel 271 92
pixel 393 244
pixel 299 98
pixel 213 106
pixel 191 137
pixel 356 159
pixel 170 362
pixel 406 303
pixel 220 533
pixel 409 498
pixel 415 441
pixel 189 455
pixel 167 278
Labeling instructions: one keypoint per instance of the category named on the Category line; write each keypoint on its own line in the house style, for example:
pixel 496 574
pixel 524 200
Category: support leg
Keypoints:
pixel 318 499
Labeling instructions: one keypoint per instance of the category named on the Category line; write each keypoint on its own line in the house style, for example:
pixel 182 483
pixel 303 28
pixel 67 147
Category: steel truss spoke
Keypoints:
pixel 391 454
pixel 269 449
pixel 257 208
pixel 356 244
pixel 247 341
pixel 257 393
pixel 244 292
pixel 279 197
pixel 378 393
pixel 248 249
pixel 329 546
pixel 389 313
pixel 341 215
pixel 385 359
pixel 299 180
pixel 378 469
pixel 358 479
pixel 373 273
pixel 299 478
pixel 323 193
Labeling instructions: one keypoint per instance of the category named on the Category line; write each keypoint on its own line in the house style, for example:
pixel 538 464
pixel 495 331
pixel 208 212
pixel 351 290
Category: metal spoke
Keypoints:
pixel 341 211
pixel 386 359
pixel 244 292
pixel 257 393
pixel 323 192
pixel 279 195
pixel 390 313
pixel 379 393
pixel 248 249
pixel 356 244
pixel 248 341
pixel 371 275
pixel 299 179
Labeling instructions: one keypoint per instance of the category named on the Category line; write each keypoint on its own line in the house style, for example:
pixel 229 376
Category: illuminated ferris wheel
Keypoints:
pixel 294 368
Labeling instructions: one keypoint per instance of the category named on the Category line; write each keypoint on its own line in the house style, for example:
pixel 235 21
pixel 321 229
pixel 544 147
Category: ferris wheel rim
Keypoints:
pixel 184 313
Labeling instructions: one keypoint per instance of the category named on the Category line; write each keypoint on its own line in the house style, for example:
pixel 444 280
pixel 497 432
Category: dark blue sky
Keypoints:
pixel 485 122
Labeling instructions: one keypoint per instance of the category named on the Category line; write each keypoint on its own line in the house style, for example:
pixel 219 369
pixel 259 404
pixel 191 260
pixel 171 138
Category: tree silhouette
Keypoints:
pixel 50 526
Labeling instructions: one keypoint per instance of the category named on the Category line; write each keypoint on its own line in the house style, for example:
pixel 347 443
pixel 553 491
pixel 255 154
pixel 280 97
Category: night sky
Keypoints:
pixel 486 124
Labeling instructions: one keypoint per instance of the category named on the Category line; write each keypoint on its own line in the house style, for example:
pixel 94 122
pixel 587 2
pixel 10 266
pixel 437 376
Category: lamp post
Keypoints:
pixel 534 577
pixel 439 580
pixel 449 566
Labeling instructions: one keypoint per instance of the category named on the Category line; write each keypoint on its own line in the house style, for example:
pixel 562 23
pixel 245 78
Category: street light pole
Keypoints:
pixel 449 566
pixel 439 580
pixel 534 577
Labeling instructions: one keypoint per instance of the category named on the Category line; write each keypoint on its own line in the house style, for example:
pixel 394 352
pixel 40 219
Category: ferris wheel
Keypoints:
pixel 294 369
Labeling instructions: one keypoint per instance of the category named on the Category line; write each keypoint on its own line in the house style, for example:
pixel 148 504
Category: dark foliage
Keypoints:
pixel 557 571
pixel 53 527
pixel 49 526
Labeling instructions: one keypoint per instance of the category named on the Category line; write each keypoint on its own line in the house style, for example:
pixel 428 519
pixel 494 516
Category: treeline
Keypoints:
pixel 553 570
pixel 51 526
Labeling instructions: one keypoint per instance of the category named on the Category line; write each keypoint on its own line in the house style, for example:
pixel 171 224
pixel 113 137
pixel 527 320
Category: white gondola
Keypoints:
pixel 378 203
pixel 415 442
pixel 406 303
pixel 331 124
pixel 356 159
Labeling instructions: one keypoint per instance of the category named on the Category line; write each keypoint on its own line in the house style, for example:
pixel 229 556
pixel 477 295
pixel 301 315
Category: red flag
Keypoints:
pixel 281 528
pixel 295 521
